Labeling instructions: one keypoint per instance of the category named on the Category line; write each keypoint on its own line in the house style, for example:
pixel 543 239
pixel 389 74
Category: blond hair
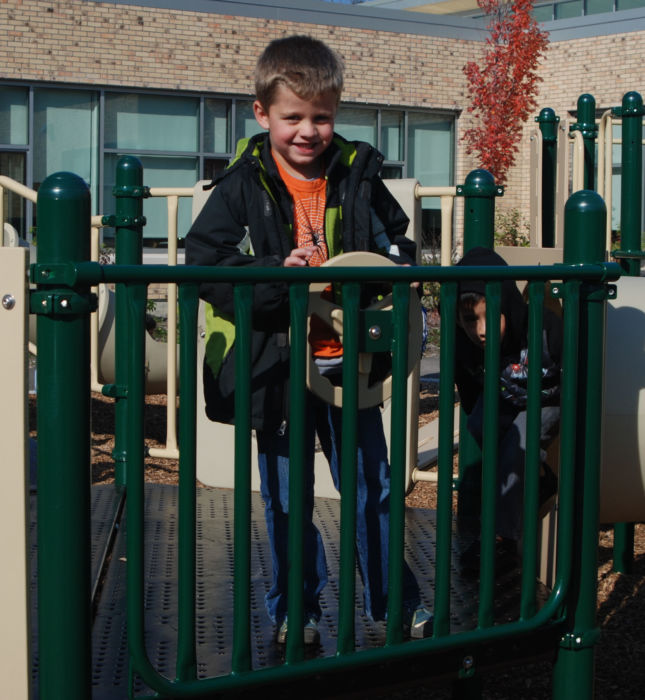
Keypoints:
pixel 305 65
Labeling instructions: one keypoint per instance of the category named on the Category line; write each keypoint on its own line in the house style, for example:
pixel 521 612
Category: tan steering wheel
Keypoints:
pixel 332 314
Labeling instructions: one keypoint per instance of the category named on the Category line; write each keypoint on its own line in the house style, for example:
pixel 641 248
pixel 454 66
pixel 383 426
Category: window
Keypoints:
pixel 66 135
pixel 13 116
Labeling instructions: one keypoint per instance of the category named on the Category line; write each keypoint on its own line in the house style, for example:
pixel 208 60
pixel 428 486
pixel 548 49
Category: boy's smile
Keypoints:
pixel 300 130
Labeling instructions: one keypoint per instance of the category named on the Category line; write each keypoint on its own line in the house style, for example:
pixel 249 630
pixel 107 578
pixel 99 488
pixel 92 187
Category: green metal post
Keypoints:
pixel 129 221
pixel 587 125
pixel 64 616
pixel 585 216
pixel 479 192
pixel 548 122
pixel 631 211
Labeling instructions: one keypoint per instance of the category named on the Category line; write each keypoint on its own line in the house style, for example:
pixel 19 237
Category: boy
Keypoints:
pixel 469 377
pixel 294 197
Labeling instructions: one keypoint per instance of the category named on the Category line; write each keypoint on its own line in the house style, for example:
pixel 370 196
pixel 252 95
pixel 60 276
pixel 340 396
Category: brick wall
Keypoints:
pixel 77 42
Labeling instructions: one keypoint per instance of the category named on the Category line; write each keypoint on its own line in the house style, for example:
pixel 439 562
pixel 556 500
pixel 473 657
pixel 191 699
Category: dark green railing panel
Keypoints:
pixel 570 604
pixel 186 644
pixel 63 403
pixel 448 301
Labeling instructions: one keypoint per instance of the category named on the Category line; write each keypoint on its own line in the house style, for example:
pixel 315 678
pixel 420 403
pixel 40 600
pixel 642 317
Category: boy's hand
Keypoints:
pixel 299 257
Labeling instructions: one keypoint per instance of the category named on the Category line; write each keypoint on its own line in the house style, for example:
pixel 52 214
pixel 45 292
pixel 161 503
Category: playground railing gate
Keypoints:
pixel 62 301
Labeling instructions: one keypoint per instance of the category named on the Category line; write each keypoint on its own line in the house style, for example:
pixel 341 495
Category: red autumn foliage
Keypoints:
pixel 503 86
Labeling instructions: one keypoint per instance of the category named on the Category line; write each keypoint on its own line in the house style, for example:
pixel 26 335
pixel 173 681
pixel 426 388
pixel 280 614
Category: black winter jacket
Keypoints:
pixel 248 220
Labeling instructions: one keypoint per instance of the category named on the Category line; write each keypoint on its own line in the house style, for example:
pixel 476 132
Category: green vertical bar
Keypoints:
pixel 298 299
pixel 446 440
pixel 133 363
pixel 631 211
pixel 533 460
pixel 186 649
pixel 586 124
pixel 479 191
pixel 64 619
pixel 128 192
pixel 631 181
pixel 243 301
pixel 398 434
pixel 348 457
pixel 490 453
pixel 585 216
pixel 548 122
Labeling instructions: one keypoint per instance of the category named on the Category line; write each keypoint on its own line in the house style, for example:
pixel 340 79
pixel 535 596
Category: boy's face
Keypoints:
pixel 300 130
pixel 473 322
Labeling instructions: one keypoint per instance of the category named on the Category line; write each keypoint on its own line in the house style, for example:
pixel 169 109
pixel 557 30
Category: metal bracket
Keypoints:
pixel 588 130
pixel 585 640
pixel 132 191
pixel 62 303
pixel 601 292
pixel 60 274
pixel 115 391
pixel 116 221
pixel 467 669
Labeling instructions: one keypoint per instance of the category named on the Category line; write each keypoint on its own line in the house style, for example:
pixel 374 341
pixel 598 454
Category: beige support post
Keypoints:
pixel 14 495
pixel 535 194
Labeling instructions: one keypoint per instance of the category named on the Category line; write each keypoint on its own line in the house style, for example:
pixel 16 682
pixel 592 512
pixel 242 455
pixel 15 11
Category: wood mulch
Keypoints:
pixel 620 653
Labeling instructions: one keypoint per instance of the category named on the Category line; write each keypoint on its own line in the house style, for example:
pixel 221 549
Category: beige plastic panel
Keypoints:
pixel 622 478
pixel 14 508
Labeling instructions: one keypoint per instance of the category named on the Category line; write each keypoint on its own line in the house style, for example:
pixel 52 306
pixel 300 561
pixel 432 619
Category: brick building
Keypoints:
pixel 84 82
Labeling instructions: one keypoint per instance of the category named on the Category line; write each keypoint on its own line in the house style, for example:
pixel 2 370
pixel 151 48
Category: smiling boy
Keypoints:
pixel 297 196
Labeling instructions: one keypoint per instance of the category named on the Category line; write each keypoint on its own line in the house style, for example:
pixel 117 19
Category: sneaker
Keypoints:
pixel 420 624
pixel 311 632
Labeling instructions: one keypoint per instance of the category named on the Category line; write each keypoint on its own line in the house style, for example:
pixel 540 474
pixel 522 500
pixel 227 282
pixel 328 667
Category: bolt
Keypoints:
pixel 64 303
pixel 375 332
pixel 556 290
pixel 8 302
pixel 44 273
pixel 468 662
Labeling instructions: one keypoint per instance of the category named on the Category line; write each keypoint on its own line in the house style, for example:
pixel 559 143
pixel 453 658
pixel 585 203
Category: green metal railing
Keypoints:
pixel 562 623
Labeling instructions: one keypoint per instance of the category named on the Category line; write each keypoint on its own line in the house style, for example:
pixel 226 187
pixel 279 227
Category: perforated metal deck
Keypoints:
pixel 215 592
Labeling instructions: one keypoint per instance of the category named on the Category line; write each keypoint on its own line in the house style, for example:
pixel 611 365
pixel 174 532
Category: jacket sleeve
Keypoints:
pixel 389 218
pixel 220 236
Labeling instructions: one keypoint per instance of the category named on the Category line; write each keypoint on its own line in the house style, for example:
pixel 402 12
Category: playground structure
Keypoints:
pixel 477 229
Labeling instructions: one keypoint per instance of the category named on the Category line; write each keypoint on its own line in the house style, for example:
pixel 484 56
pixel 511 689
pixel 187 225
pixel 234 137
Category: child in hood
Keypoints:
pixel 513 375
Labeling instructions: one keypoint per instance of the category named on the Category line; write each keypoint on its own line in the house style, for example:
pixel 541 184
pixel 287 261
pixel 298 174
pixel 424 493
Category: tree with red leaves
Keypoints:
pixel 503 86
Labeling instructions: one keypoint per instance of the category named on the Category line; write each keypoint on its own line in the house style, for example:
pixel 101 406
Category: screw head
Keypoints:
pixel 375 332
pixel 468 662
pixel 64 303
pixel 8 302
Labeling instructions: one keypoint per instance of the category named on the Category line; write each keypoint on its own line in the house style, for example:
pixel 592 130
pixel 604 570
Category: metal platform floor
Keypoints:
pixel 214 585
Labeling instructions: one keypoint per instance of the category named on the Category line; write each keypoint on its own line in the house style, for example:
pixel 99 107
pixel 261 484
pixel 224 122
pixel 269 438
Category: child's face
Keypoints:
pixel 473 323
pixel 300 130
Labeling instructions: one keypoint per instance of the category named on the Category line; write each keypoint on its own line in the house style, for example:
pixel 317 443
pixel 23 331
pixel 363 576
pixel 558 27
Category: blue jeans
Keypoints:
pixel 372 510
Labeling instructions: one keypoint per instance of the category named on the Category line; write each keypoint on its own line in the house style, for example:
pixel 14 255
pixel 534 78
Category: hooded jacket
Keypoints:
pixel 248 220
pixel 469 363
